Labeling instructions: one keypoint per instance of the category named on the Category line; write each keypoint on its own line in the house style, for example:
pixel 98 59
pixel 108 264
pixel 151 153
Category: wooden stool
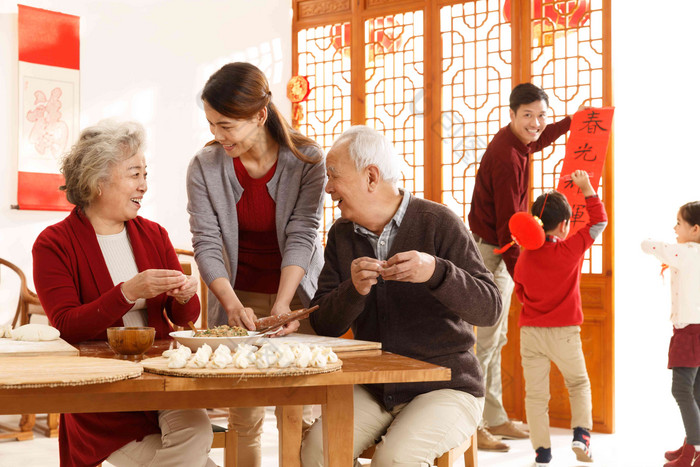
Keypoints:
pixel 468 449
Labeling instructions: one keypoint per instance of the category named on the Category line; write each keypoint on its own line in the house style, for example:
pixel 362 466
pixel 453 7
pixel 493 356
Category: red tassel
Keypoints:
pixel 664 266
pixel 503 249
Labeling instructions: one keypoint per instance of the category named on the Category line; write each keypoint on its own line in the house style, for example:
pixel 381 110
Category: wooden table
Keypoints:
pixel 333 391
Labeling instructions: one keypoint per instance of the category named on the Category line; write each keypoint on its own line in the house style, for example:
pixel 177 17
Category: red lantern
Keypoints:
pixel 384 34
pixel 298 88
pixel 555 17
pixel 526 230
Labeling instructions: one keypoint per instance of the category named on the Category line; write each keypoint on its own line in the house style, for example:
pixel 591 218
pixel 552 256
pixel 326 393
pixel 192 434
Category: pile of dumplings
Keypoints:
pixel 270 355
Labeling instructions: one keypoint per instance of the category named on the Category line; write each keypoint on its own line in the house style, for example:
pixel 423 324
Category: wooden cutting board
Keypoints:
pixel 336 343
pixel 12 348
pixel 42 371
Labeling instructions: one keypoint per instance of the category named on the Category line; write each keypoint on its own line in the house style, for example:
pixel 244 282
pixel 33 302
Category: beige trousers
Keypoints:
pixel 491 339
pixel 561 345
pixel 412 434
pixel 185 439
pixel 248 421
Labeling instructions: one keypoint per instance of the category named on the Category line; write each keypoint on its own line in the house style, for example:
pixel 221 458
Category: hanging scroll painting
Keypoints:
pixel 49 104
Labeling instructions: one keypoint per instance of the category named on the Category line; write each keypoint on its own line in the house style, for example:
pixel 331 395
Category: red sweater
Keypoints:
pixel 259 257
pixel 547 279
pixel 501 185
pixel 80 300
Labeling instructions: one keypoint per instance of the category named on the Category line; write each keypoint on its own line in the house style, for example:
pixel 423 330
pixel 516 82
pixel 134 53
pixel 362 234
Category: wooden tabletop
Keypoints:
pixel 334 391
pixel 156 392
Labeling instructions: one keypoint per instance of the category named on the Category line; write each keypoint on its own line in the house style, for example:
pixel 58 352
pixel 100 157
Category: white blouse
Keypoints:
pixel 683 260
pixel 117 252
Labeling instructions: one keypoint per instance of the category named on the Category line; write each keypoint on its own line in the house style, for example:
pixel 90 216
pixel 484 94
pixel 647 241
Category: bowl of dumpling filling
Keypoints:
pixel 229 336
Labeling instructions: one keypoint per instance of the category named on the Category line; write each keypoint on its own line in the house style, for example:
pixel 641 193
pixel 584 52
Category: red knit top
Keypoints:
pixel 547 279
pixel 259 257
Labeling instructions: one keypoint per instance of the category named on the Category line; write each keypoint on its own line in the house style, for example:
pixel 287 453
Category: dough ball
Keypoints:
pixel 35 332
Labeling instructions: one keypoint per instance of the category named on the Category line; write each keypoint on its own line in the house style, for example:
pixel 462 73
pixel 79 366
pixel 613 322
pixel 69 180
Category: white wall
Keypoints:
pixel 657 168
pixel 145 60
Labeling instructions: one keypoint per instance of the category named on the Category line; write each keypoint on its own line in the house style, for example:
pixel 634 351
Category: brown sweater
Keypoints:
pixel 432 321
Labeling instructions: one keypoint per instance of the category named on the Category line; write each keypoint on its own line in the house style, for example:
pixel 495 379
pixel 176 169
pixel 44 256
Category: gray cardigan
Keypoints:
pixel 213 191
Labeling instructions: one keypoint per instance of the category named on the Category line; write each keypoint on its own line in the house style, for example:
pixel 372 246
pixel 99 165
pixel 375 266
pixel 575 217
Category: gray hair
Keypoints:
pixel 91 159
pixel 367 146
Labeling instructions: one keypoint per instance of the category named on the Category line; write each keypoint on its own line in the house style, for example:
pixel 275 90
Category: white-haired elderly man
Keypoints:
pixel 405 272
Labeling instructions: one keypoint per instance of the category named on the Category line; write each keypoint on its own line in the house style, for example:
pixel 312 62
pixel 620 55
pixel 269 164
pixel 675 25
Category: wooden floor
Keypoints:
pixel 618 450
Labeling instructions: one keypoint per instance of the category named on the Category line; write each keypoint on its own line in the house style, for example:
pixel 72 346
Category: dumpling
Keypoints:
pixel 35 332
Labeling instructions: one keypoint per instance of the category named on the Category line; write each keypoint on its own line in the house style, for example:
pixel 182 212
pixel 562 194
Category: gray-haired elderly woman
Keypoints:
pixel 104 266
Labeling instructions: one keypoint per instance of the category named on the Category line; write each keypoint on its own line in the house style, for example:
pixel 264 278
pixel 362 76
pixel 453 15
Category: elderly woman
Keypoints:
pixel 104 266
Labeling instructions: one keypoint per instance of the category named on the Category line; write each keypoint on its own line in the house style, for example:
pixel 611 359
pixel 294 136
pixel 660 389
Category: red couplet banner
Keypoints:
pixel 586 149
pixel 49 99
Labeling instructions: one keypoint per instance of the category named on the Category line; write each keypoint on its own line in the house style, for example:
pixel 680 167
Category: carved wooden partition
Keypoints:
pixel 435 76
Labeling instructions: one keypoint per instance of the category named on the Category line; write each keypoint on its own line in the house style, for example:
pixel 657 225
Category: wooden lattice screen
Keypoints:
pixel 435 76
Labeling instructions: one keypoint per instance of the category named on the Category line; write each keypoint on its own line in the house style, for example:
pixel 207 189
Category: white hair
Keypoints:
pixel 367 146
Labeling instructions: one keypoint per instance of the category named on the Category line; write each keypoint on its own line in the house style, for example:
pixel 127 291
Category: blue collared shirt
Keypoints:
pixel 381 244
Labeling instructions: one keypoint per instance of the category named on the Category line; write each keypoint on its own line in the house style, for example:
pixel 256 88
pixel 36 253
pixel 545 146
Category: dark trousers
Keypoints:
pixel 686 391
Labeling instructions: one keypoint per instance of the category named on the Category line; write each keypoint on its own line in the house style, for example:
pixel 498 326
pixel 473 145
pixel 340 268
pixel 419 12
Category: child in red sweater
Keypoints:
pixel 547 284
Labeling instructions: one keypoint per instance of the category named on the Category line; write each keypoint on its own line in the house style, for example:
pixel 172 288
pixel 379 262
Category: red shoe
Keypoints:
pixel 689 458
pixel 673 455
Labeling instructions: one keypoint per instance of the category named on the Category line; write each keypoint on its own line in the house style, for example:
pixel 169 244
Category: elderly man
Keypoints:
pixel 405 272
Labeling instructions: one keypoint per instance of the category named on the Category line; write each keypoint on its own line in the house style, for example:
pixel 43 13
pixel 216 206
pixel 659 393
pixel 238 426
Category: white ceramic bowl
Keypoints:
pixel 187 339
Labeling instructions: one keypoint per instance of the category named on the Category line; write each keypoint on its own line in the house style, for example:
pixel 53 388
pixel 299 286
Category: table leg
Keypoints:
pixel 338 426
pixel 289 428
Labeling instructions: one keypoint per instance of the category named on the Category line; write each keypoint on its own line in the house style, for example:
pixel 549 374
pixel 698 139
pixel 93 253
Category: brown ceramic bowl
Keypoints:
pixel 130 343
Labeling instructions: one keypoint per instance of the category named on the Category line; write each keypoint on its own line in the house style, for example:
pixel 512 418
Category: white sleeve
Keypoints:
pixel 668 253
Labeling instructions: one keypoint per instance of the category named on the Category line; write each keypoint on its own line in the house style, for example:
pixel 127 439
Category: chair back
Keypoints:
pixel 28 303
pixel 203 289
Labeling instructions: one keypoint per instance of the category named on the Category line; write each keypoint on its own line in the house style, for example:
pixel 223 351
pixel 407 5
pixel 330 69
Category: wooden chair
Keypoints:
pixel 28 304
pixel 468 449
pixel 203 289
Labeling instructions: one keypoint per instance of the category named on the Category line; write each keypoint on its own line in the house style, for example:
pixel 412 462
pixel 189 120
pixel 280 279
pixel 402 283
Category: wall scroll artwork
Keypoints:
pixel 49 103
pixel 585 150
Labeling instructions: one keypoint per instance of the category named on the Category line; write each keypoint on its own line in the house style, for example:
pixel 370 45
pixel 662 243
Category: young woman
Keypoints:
pixel 255 203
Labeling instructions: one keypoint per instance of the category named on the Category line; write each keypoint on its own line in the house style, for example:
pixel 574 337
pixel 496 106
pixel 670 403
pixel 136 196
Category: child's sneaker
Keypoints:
pixel 581 445
pixel 544 457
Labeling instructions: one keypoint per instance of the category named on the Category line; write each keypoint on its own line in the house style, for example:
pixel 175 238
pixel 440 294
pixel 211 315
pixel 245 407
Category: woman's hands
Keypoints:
pixel 153 282
pixel 184 293
pixel 241 316
pixel 278 309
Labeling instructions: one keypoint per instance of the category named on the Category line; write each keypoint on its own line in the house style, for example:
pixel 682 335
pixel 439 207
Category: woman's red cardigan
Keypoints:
pixel 80 300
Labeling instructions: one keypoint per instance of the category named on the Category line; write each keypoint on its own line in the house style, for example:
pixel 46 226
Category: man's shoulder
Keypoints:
pixel 341 226
pixel 425 207
pixel 502 147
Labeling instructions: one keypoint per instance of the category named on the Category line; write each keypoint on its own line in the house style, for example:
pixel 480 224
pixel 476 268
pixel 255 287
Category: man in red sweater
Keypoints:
pixel 501 190
pixel 547 284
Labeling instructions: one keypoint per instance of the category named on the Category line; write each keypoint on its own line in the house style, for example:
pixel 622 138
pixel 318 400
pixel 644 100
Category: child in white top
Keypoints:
pixel 683 259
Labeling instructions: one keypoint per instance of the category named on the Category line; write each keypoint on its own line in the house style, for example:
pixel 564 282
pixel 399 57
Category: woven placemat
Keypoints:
pixel 54 371
pixel 160 365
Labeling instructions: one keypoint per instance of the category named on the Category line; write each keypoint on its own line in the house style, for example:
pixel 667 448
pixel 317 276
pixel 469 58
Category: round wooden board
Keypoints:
pixel 37 372
pixel 160 365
